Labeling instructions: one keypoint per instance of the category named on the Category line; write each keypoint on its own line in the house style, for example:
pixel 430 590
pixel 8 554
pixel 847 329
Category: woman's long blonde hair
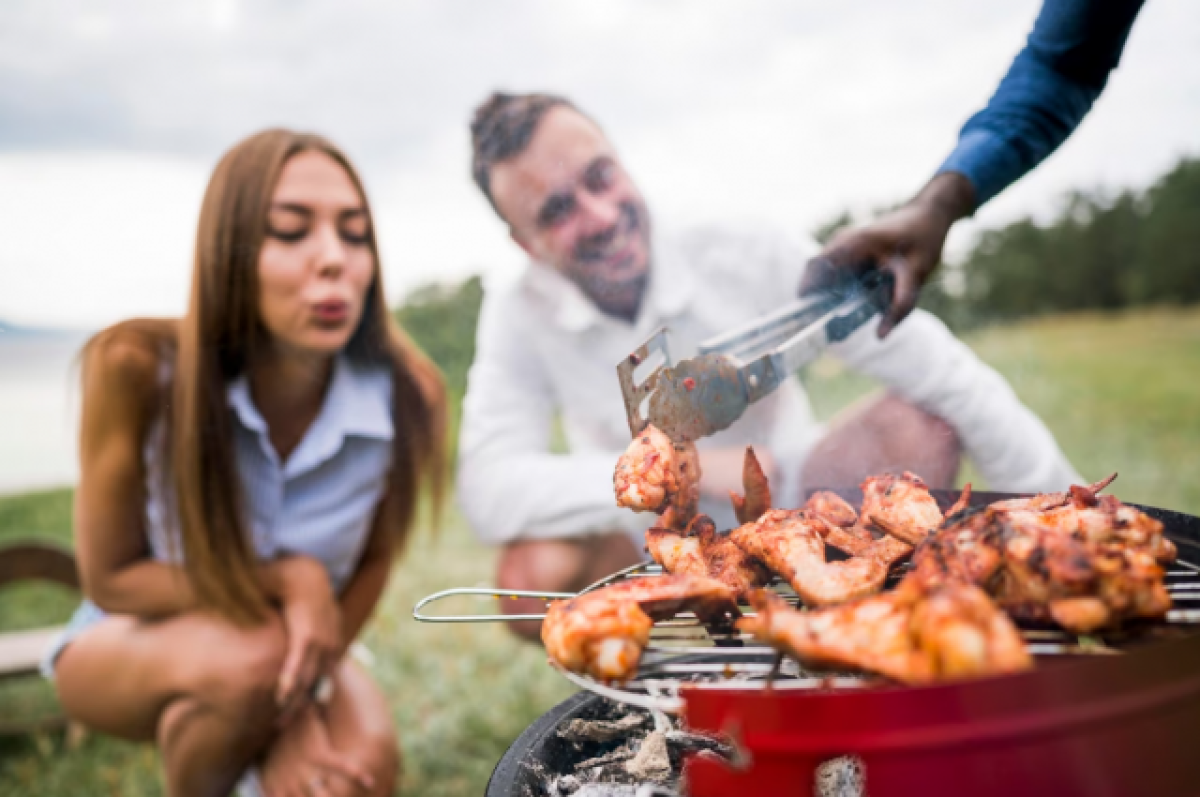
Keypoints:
pixel 217 339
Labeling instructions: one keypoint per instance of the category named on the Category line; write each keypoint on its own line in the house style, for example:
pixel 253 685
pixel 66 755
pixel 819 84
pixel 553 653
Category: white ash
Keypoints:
pixel 652 762
pixel 845 776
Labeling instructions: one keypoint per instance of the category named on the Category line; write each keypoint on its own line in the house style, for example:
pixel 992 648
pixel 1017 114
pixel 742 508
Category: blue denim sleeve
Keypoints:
pixel 1049 88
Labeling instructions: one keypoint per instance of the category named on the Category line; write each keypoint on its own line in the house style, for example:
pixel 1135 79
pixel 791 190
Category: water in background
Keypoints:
pixel 39 409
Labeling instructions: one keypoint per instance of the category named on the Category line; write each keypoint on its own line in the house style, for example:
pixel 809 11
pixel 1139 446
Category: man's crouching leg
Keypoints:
pixel 561 565
pixel 883 434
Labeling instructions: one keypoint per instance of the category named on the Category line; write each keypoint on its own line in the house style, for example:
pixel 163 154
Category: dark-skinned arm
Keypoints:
pixel 1048 90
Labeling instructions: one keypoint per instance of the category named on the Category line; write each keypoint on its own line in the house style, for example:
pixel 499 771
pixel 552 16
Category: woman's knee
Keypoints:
pixel 379 754
pixel 241 673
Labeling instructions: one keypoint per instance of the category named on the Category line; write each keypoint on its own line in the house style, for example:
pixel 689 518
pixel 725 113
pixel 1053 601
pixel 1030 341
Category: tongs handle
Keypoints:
pixel 483 618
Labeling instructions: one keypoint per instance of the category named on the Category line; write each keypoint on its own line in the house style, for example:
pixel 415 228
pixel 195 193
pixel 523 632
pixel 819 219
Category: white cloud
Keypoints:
pixel 766 109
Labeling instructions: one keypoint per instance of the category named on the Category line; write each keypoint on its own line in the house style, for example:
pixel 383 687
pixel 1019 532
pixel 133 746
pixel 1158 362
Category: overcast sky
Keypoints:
pixel 112 114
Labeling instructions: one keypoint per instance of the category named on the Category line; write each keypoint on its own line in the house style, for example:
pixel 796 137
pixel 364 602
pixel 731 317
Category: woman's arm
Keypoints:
pixel 370 577
pixel 320 627
pixel 120 397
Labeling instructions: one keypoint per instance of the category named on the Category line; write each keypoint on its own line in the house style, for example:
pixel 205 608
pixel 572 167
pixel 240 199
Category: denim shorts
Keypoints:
pixel 86 616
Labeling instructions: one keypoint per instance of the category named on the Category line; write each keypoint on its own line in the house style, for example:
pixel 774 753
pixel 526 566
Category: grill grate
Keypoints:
pixel 684 652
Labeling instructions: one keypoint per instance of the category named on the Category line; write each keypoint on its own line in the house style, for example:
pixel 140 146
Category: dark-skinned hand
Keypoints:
pixel 906 242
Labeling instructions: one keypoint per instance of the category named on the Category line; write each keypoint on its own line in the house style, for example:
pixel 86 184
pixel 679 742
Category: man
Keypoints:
pixel 598 284
pixel 1050 87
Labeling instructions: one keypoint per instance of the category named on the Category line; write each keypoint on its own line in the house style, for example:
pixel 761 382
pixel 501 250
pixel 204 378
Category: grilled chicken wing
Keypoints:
pixel 602 633
pixel 791 544
pixel 909 635
pixel 654 474
pixel 844 531
pixel 702 551
pixel 900 506
pixel 758 490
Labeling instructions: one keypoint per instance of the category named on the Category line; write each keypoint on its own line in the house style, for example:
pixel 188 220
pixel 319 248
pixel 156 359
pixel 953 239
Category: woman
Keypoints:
pixel 248 474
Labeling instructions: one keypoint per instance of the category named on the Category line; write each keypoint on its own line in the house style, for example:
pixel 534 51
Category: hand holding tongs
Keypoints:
pixel 707 393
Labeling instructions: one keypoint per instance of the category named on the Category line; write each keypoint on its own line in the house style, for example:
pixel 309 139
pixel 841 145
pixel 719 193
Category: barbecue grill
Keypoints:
pixel 1114 713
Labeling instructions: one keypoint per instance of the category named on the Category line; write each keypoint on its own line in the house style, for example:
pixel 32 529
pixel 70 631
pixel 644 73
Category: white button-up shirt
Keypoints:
pixel 545 350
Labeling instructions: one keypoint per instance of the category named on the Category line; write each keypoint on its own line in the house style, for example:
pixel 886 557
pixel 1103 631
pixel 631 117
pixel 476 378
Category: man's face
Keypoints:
pixel 571 205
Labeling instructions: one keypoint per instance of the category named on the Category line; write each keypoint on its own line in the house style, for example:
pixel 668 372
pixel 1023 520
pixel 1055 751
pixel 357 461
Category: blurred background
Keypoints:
pixel 1080 283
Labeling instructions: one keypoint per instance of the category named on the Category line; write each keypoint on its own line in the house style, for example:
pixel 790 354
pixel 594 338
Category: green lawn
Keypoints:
pixel 1121 392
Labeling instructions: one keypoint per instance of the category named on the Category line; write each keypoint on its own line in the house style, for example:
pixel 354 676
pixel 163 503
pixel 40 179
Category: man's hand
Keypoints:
pixel 906 242
pixel 313 622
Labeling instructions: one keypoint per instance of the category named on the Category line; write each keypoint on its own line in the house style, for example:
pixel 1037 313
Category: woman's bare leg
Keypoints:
pixel 201 687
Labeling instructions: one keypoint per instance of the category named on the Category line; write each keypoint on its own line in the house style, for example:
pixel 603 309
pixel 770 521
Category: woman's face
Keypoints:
pixel 316 265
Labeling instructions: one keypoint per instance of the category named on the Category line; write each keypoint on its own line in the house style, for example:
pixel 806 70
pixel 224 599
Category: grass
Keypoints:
pixel 1119 391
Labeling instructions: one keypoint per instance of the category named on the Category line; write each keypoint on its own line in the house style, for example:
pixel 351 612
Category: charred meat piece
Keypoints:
pixel 654 474
pixel 602 633
pixel 900 506
pixel 1045 501
pixel 702 551
pixel 910 635
pixel 844 531
pixel 1081 567
pixel 757 499
pixel 790 542
pixel 834 510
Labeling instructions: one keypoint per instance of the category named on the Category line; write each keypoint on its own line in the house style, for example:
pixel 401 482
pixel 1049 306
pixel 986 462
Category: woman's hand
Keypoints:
pixel 313 621
pixel 303 763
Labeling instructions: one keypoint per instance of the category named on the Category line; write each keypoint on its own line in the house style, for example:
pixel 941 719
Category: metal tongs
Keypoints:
pixel 707 393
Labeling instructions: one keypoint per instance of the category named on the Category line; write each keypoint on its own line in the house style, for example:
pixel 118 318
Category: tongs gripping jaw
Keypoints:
pixel 635 394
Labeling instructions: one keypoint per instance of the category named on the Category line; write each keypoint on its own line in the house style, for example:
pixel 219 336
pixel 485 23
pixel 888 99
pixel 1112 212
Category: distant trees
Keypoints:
pixel 441 319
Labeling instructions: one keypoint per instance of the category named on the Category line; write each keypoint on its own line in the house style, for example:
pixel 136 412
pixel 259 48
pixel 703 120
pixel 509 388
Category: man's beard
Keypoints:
pixel 617 294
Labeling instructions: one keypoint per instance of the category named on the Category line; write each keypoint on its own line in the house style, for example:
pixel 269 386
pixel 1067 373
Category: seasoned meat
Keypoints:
pixel 900 506
pixel 757 490
pixel 654 474
pixel 702 551
pixel 791 544
pixel 1084 565
pixel 603 632
pixel 911 634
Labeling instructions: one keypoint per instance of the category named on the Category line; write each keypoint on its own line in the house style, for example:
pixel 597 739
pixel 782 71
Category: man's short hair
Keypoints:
pixel 502 128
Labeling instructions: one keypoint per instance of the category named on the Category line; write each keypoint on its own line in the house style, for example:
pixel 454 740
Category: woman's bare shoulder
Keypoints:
pixel 127 358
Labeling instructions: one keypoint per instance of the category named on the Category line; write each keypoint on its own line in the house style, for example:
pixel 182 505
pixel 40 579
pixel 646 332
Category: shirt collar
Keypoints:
pixel 357 403
pixel 668 294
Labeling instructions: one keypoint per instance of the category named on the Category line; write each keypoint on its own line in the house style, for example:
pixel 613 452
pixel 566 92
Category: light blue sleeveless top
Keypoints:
pixel 320 502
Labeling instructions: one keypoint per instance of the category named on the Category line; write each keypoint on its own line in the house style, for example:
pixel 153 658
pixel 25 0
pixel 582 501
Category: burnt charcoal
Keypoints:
pixel 612 757
pixel 682 742
pixel 580 730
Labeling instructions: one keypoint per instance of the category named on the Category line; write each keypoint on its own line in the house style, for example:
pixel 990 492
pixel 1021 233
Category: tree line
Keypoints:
pixel 1100 252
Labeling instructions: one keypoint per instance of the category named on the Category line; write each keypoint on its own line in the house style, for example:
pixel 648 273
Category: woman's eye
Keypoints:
pixel 355 237
pixel 289 236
